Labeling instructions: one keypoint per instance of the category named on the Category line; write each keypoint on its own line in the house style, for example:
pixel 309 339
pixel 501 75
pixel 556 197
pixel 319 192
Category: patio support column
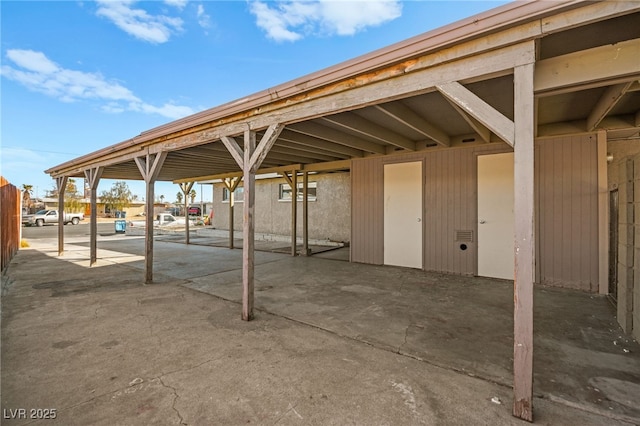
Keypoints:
pixel 231 184
pixel 305 213
pixel 293 184
pixel 61 183
pixel 524 277
pixel 93 177
pixel 149 167
pixel 249 161
pixel 186 187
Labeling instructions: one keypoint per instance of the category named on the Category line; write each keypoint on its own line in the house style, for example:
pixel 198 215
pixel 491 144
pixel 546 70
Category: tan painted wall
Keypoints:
pixel 568 209
pixel 329 215
pixel 567 214
pixel 450 206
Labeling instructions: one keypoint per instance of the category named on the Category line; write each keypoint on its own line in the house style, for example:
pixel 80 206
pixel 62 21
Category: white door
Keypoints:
pixel 403 214
pixel 495 216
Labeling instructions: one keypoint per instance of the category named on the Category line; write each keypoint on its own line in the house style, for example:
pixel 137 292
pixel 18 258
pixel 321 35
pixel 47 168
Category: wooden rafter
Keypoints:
pixel 479 109
pixel 606 103
pixel 336 136
pixel 369 129
pixel 405 115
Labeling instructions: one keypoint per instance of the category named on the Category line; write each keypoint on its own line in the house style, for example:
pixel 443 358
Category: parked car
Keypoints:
pixel 46 217
pixel 162 219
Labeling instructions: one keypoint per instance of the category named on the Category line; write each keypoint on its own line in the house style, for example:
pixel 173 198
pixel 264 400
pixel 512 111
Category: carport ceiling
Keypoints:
pixel 428 121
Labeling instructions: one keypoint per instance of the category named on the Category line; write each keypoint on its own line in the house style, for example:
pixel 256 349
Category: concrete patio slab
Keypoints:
pixel 377 346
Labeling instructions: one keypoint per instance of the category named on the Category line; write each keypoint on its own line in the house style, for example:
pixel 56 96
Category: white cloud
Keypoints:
pixel 204 20
pixel 180 4
pixel 38 73
pixel 138 23
pixel 292 20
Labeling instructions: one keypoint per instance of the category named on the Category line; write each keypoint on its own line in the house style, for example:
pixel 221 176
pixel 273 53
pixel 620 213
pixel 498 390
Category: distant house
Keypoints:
pixel 329 196
pixel 135 208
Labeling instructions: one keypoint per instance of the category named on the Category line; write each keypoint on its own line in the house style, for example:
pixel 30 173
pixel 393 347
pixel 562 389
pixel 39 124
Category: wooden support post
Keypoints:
pixel 248 230
pixel 231 184
pixel 603 214
pixel 293 184
pixel 305 214
pixel 249 161
pixel 61 183
pixel 149 167
pixel 93 177
pixel 524 276
pixel 185 187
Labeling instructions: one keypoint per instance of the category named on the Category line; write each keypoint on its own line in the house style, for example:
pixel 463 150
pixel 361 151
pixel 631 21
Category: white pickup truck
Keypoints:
pixel 161 219
pixel 45 217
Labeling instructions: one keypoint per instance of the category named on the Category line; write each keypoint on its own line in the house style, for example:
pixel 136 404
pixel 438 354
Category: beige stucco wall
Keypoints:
pixel 329 214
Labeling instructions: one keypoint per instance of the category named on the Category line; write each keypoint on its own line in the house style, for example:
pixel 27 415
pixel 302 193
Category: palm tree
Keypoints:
pixel 162 198
pixel 193 195
pixel 27 190
pixel 179 198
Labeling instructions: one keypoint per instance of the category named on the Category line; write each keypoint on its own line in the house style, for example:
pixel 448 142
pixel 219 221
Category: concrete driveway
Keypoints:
pixel 332 343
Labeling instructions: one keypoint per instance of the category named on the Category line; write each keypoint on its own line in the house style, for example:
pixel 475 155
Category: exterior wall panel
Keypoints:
pixel 367 211
pixel 567 209
pixel 567 178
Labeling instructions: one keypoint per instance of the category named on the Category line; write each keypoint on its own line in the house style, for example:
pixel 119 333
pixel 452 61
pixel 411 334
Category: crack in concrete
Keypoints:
pixel 289 409
pixel 175 400
pixel 406 334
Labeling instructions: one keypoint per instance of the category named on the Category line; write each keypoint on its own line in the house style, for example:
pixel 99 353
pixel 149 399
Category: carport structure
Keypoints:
pixel 500 81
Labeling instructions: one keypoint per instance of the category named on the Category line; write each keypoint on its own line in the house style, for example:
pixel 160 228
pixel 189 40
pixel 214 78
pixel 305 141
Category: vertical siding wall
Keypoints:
pixel 567 212
pixel 566 168
pixel 10 222
pixel 450 206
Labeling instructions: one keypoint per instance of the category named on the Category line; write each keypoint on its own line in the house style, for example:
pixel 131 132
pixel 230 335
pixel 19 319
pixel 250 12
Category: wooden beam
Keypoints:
pixel 305 214
pixel 524 213
pixel 293 184
pixel 336 136
pixel 603 214
pixel 248 230
pixel 231 184
pixel 405 115
pixel 479 109
pixel 264 171
pixel 93 177
pixel 369 129
pixel 599 64
pixel 186 188
pixel 606 103
pixel 234 149
pixel 266 142
pixel 61 183
pixel 482 130
pixel 311 141
pixel 312 150
pixel 327 167
pixel 149 167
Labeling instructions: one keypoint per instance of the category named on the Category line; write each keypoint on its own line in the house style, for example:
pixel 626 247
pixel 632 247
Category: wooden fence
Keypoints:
pixel 10 221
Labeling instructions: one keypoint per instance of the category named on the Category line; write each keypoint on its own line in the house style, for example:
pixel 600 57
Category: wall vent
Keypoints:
pixel 465 236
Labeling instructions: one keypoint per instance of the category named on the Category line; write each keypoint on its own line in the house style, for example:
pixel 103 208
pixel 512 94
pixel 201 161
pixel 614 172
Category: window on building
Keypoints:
pixel 284 192
pixel 238 195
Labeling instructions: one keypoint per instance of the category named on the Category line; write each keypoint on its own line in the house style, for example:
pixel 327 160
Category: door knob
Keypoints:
pixel 419 220
pixel 482 222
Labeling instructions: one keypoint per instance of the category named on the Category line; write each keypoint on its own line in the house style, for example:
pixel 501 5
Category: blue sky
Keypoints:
pixel 78 76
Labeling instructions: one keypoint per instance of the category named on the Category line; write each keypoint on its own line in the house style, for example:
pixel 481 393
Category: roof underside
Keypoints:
pixel 424 120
